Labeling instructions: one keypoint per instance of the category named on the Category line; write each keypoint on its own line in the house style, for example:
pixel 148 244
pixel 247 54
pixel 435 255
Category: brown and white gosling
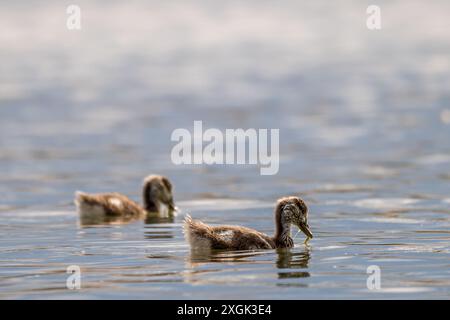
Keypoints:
pixel 115 207
pixel 288 211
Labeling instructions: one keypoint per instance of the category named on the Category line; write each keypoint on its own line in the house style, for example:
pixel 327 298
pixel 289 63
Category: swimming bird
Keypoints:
pixel 115 207
pixel 288 211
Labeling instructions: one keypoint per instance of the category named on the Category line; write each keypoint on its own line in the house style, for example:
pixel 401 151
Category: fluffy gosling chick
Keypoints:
pixel 288 211
pixel 115 207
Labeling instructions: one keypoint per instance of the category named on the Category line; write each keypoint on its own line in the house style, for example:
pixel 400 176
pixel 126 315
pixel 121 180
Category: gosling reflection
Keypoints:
pixel 158 233
pixel 288 259
pixel 198 258
pixel 155 218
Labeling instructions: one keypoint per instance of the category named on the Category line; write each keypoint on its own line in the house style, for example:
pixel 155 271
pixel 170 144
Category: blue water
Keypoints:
pixel 364 119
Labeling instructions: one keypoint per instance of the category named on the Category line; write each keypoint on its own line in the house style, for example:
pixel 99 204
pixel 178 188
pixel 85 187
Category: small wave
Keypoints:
pixel 385 203
pixel 404 290
pixel 420 248
pixel 434 159
pixel 393 220
pixel 38 214
pixel 331 247
pixel 223 204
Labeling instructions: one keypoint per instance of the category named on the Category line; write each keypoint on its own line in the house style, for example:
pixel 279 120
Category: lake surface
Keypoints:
pixel 364 119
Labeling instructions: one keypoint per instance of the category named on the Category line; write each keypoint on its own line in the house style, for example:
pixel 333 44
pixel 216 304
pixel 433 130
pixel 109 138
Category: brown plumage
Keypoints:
pixel 115 207
pixel 288 211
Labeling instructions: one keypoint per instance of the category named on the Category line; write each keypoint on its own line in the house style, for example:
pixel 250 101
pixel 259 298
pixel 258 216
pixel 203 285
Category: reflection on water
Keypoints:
pixel 157 232
pixel 288 259
pixel 154 218
pixel 196 258
pixel 102 220
pixel 364 139
pixel 99 220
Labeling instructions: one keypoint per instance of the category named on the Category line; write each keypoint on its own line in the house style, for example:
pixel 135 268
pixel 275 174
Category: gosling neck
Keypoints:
pixel 282 235
pixel 150 205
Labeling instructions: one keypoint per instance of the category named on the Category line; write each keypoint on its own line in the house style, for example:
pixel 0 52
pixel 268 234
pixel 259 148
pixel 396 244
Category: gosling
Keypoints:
pixel 115 207
pixel 288 211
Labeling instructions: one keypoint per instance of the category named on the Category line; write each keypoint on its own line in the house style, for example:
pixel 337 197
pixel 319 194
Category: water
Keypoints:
pixel 364 140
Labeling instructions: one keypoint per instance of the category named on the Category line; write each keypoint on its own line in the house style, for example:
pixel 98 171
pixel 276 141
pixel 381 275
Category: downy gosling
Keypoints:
pixel 288 211
pixel 115 207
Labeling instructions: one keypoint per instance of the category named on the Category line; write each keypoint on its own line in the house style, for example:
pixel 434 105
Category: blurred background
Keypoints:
pixel 364 116
pixel 95 108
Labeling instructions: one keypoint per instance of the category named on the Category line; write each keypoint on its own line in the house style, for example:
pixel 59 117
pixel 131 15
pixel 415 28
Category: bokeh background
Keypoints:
pixel 364 119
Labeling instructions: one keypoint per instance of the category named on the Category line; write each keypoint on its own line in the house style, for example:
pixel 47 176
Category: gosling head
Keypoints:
pixel 292 210
pixel 157 195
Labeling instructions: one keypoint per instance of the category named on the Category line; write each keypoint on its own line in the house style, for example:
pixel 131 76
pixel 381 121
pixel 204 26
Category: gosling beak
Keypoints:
pixel 305 229
pixel 172 206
